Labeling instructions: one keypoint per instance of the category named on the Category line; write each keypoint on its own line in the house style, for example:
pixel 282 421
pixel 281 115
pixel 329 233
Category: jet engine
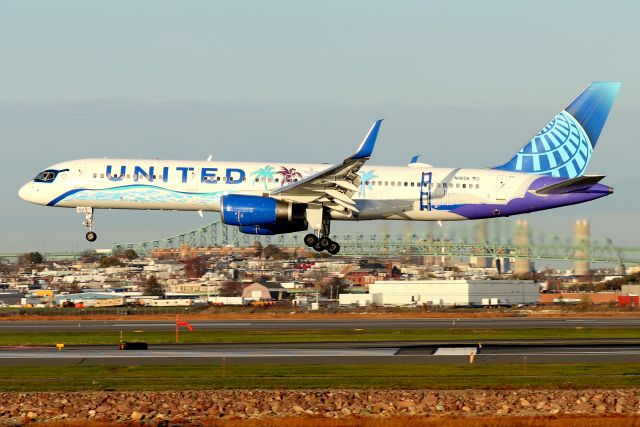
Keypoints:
pixel 262 215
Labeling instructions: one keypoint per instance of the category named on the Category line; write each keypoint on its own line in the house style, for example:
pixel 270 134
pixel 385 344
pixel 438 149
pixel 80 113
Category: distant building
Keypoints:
pixel 258 291
pixel 446 293
pixel 11 297
pixel 91 299
pixel 579 297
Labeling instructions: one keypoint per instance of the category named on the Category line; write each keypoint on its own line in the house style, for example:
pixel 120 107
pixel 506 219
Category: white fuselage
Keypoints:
pixel 385 192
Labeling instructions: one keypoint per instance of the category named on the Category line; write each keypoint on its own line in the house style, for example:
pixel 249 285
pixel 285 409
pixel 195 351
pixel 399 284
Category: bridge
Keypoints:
pixel 433 242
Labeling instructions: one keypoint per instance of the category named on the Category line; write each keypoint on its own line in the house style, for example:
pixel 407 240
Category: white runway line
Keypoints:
pixel 455 351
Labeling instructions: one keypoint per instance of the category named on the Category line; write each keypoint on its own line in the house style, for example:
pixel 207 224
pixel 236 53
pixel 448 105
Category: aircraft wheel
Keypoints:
pixel 333 248
pixel 91 236
pixel 310 240
pixel 318 248
pixel 324 242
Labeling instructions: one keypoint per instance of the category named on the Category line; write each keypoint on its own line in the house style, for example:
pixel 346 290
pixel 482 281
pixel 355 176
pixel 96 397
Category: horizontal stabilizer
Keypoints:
pixel 574 185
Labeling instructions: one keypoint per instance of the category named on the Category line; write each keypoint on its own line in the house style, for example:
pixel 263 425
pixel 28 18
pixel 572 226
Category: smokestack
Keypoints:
pixel 522 265
pixel 581 240
pixel 481 238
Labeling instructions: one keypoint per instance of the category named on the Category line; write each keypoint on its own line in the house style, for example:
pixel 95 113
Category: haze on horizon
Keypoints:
pixel 283 81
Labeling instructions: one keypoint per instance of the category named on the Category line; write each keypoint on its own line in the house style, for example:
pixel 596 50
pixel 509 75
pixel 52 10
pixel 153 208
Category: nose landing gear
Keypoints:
pixel 88 222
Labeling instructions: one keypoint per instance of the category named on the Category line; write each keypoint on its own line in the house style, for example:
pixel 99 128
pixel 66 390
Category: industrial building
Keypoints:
pixel 446 293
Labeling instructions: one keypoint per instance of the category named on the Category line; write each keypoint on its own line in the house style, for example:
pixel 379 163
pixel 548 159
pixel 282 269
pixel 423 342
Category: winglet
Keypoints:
pixel 366 147
pixel 414 159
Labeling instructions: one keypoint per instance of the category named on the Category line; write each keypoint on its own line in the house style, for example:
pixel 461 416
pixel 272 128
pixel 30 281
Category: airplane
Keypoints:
pixel 270 198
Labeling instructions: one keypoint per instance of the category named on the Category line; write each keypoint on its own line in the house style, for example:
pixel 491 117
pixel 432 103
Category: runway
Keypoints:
pixel 320 324
pixel 494 352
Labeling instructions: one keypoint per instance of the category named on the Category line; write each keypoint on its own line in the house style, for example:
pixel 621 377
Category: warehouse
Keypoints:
pixel 446 293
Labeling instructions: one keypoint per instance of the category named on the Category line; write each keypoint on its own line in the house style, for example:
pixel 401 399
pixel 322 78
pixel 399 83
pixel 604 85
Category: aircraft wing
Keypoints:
pixel 335 186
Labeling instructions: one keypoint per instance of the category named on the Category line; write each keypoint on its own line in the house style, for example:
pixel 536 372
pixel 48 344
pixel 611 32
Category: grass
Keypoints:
pixel 164 378
pixel 284 336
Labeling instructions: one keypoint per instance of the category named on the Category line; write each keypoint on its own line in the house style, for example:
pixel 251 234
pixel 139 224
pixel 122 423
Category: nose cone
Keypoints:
pixel 28 193
pixel 23 193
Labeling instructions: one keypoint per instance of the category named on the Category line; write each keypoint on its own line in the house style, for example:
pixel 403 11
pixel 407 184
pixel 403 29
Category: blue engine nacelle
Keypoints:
pixel 262 215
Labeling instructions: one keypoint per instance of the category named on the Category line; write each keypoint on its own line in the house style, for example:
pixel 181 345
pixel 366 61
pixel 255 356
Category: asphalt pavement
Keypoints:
pixel 326 324
pixel 450 352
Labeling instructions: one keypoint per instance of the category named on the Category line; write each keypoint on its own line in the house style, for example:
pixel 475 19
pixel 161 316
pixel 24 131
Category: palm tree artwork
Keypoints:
pixel 288 175
pixel 366 176
pixel 264 174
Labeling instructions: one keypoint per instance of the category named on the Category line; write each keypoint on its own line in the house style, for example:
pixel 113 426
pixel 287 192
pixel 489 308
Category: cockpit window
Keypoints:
pixel 49 175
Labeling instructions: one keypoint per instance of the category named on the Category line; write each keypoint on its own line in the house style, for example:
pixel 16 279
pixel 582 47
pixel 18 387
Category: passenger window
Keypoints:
pixel 406 184
pixel 393 183
pixel 477 186
pixel 444 185
pixel 412 183
pixel 95 175
pixel 379 182
pixel 457 185
pixel 464 185
pixel 257 179
pixel 101 175
pixel 128 176
pixel 386 183
pixel 366 183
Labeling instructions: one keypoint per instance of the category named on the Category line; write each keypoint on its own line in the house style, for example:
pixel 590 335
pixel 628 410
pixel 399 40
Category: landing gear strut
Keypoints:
pixel 88 222
pixel 321 241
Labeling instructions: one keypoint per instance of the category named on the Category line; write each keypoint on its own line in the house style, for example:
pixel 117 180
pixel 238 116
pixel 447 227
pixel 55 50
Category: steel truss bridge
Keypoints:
pixel 430 243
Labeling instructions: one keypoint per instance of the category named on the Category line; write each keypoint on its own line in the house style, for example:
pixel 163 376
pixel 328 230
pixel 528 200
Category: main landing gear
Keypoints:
pixel 88 222
pixel 321 244
pixel 321 241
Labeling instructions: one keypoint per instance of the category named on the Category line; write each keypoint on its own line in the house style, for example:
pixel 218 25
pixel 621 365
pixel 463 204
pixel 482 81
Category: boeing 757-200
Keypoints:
pixel 276 198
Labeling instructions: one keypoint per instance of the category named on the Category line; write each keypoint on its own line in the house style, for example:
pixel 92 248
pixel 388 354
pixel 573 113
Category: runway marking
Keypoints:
pixel 455 351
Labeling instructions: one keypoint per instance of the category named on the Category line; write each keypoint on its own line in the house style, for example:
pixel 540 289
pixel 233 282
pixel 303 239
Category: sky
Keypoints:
pixel 462 83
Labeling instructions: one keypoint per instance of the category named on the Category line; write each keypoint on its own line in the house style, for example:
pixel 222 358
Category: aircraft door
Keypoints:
pixel 192 182
pixel 425 191
pixel 503 183
pixel 78 174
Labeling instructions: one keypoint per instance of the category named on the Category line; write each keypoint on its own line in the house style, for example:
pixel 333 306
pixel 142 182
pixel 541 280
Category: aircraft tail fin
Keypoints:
pixel 564 147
